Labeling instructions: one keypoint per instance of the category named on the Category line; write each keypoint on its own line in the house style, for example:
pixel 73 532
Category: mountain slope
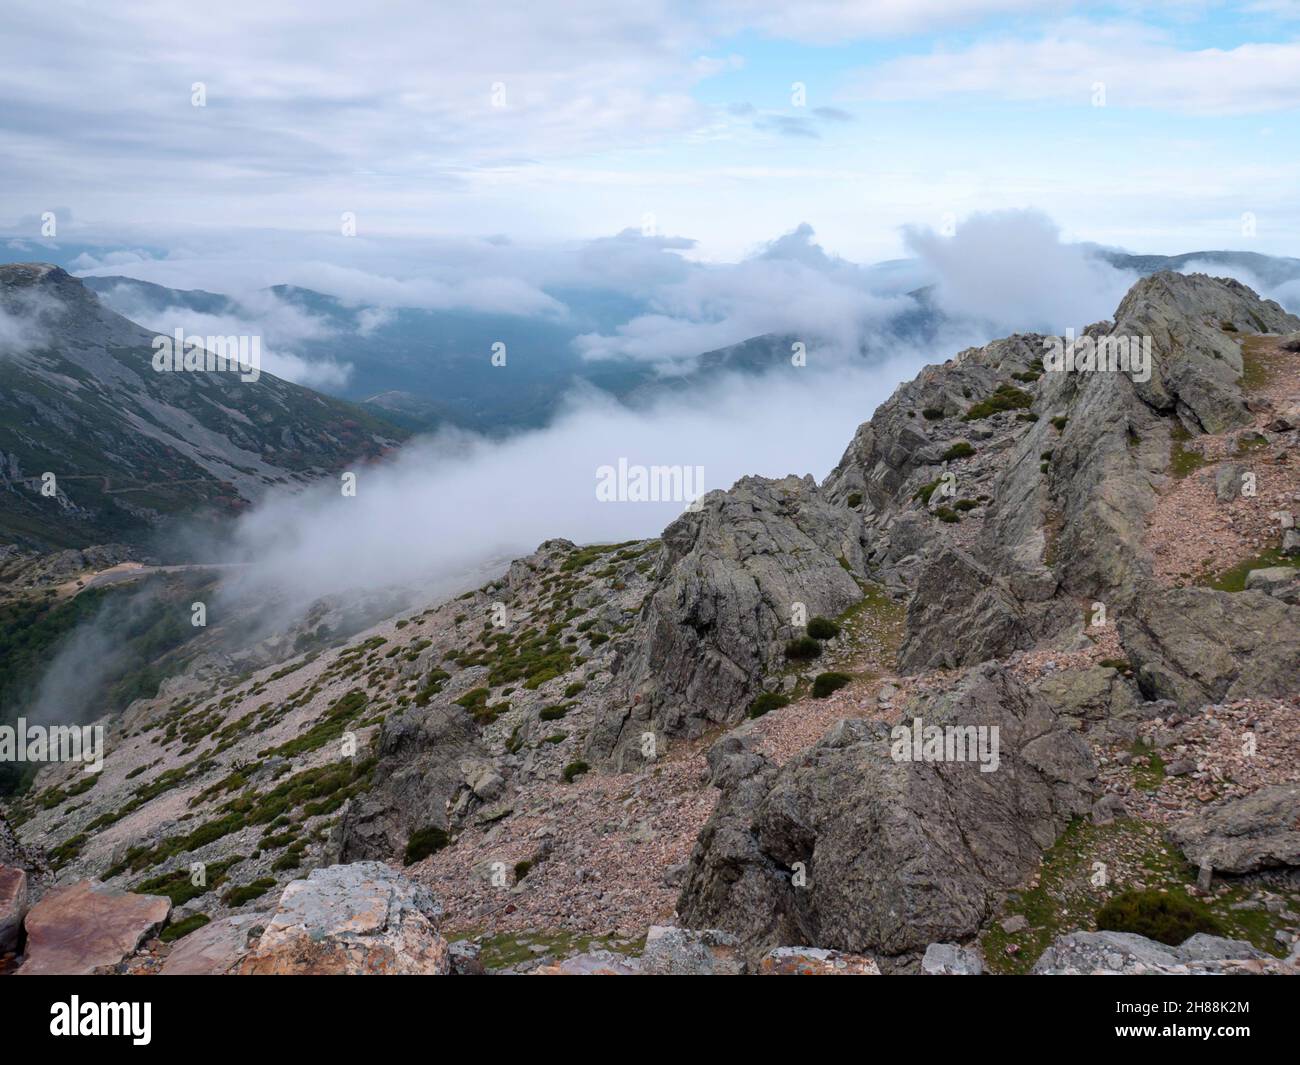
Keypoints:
pixel 548 771
pixel 127 445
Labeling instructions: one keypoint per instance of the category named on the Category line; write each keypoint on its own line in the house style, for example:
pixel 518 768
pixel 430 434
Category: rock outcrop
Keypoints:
pixel 851 848
pixel 1198 646
pixel 1256 832
pixel 1127 954
pixel 686 952
pixel 1191 319
pixel 961 613
pixel 1061 469
pixel 360 920
pixel 74 930
pixel 430 761
pixel 723 606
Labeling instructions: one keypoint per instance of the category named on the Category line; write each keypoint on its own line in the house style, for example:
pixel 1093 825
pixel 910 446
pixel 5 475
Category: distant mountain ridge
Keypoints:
pixel 1272 270
pixel 129 446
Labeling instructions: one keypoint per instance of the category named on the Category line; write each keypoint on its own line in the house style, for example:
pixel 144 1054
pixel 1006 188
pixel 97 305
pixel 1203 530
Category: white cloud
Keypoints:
pixel 790 287
pixel 281 325
pixel 448 505
pixel 1136 67
pixel 834 21
pixel 1012 270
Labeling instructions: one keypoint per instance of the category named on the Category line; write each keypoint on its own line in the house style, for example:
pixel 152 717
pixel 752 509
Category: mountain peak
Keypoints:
pixel 32 273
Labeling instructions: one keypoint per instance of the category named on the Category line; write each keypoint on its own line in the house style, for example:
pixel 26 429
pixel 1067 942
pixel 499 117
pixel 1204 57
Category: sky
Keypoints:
pixel 684 174
pixel 1158 127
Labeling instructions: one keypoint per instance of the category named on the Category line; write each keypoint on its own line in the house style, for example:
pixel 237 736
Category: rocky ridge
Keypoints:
pixel 551 771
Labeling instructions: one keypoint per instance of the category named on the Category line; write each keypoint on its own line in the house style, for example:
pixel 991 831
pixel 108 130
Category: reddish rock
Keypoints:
pixel 813 961
pixel 216 949
pixel 13 906
pixel 74 930
pixel 348 920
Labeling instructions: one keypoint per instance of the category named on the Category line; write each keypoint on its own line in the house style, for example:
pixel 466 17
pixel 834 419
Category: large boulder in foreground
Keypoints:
pixel 1199 646
pixel 75 930
pixel 1258 831
pixel 362 919
pixel 893 854
pixel 1127 954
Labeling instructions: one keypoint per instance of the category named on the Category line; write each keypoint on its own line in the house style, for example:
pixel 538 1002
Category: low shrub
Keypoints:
pixel 182 928
pixel 246 893
pixel 425 841
pixel 829 682
pixel 767 702
pixel 802 648
pixel 1163 917
pixel 823 629
pixel 1007 397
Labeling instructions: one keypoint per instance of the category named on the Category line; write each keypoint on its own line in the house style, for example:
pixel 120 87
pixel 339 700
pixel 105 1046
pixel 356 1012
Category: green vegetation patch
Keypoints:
pixel 767 702
pixel 184 927
pixel 425 841
pixel 1007 397
pixel 329 727
pixel 1234 579
pixel 802 649
pixel 1183 461
pixel 1166 917
pixel 246 893
pixel 826 683
pixel 823 629
pixel 1072 889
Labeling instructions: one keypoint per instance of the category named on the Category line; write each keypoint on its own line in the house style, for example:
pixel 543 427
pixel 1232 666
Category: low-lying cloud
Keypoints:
pixel 449 504
pixel 282 327
pixel 1011 270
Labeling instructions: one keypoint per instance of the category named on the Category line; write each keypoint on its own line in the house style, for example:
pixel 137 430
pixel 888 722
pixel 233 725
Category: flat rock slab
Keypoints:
pixel 1126 954
pixel 13 906
pixel 952 959
pixel 593 963
pixel 813 961
pixel 1258 831
pixel 216 949
pixel 75 930
pixel 358 919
